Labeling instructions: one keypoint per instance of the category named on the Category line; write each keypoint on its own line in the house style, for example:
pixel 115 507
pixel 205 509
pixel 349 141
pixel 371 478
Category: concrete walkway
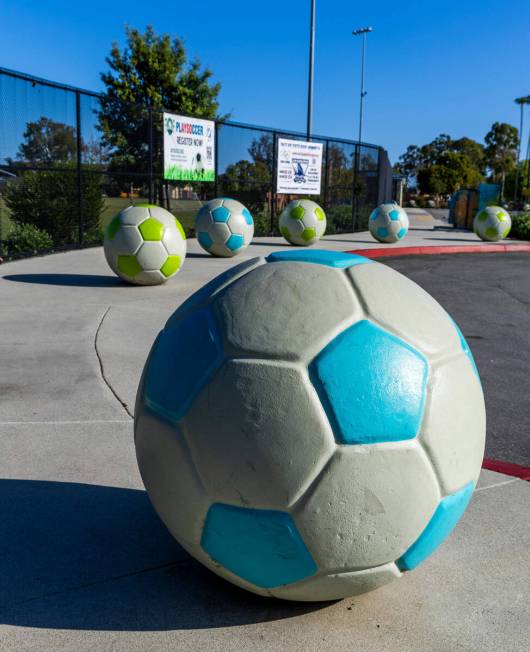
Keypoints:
pixel 85 564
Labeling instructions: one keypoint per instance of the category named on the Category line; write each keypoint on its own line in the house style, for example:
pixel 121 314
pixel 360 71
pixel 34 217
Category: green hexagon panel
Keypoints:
pixel 309 234
pixel 129 266
pixel 297 213
pixel 151 229
pixel 171 266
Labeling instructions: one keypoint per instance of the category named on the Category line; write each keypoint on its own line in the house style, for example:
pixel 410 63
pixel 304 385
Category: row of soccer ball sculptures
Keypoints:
pixel 146 244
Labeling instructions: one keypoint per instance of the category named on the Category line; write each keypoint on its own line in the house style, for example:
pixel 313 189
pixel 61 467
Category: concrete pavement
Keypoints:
pixel 85 564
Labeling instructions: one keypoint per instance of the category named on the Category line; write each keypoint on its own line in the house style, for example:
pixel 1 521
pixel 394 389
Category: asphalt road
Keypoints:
pixel 489 297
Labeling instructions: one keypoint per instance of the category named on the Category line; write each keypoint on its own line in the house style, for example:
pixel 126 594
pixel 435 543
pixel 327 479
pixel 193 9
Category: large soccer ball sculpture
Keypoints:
pixel 224 227
pixel 492 223
pixel 145 244
pixel 302 222
pixel 311 425
pixel 388 223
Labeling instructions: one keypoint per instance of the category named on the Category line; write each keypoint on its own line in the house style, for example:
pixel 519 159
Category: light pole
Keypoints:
pixel 311 71
pixel 357 32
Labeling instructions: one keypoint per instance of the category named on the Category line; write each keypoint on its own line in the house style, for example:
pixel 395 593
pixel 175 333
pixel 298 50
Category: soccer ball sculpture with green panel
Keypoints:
pixel 388 223
pixel 492 223
pixel 224 227
pixel 302 222
pixel 145 244
pixel 310 425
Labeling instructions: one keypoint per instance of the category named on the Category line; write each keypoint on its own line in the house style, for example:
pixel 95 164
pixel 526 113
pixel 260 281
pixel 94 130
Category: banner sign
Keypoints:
pixel 189 153
pixel 299 167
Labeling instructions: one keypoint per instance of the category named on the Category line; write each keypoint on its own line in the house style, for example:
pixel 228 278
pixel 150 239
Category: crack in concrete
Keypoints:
pixel 70 589
pixel 102 369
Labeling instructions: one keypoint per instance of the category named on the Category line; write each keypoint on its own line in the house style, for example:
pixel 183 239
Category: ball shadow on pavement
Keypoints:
pixel 79 556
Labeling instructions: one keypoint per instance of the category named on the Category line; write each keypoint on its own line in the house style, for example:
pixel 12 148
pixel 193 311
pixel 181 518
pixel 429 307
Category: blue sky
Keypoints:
pixel 432 67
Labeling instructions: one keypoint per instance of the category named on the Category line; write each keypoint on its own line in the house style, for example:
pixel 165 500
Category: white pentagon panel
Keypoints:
pixel 295 227
pixel 134 215
pixel 237 223
pixel 150 277
pixel 111 257
pixel 203 296
pixel 454 427
pixel 174 242
pixel 246 442
pixel 152 255
pixel 405 309
pixel 368 506
pixel 235 207
pixel 324 305
pixel 127 240
pixel 170 478
pixel 334 586
pixel 219 232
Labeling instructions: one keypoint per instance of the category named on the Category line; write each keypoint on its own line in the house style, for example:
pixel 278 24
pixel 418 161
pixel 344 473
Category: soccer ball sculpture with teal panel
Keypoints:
pixel 224 227
pixel 145 244
pixel 302 222
pixel 388 223
pixel 310 425
pixel 492 224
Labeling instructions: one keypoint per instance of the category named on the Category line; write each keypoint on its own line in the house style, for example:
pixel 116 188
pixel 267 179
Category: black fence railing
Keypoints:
pixel 61 182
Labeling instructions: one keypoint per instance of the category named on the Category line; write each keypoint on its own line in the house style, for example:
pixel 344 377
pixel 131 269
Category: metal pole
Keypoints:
pixel 311 71
pixel 516 185
pixel 362 90
pixel 356 169
pixel 79 144
pixel 273 181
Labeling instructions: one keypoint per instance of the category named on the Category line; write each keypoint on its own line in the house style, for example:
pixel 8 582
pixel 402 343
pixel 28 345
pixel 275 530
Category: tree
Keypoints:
pixel 249 181
pixel 262 150
pixel 431 152
pixel 452 171
pixel 501 150
pixel 48 200
pixel 48 142
pixel 409 163
pixel 151 73
pixel 473 150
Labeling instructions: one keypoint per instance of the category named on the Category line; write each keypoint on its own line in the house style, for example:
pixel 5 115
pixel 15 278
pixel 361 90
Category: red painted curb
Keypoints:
pixel 507 468
pixel 443 249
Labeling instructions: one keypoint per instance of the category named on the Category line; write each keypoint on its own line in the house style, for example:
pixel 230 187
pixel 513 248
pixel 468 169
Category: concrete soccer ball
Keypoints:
pixel 302 222
pixel 492 223
pixel 311 425
pixel 388 223
pixel 224 227
pixel 145 244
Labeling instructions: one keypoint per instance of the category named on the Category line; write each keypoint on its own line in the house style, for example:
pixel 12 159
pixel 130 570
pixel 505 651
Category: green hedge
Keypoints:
pixel 26 238
pixel 521 227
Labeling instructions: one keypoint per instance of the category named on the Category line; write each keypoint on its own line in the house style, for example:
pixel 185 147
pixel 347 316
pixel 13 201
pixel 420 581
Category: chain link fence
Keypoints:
pixel 61 182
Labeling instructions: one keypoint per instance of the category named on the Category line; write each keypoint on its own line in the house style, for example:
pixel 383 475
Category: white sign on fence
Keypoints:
pixel 299 167
pixel 189 148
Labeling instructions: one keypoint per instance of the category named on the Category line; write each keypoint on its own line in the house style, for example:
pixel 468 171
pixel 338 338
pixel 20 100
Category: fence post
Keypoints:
pixel 354 186
pixel 216 157
pixel 151 189
pixel 79 143
pixel 273 181
pixel 326 177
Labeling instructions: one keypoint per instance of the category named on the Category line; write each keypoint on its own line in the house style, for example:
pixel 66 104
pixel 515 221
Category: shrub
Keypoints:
pixel 48 200
pixel 521 226
pixel 26 238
